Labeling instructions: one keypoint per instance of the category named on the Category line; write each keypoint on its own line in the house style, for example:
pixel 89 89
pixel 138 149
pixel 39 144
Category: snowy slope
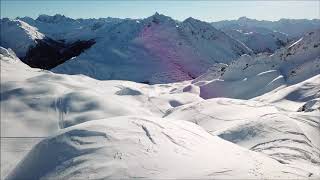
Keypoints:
pixel 154 50
pixel 144 147
pixel 287 136
pixel 91 129
pixel 258 39
pixel 36 104
pixel 88 128
pixel 266 36
pixel 60 27
pixel 250 76
pixel 18 35
pixel 294 28
pixel 37 49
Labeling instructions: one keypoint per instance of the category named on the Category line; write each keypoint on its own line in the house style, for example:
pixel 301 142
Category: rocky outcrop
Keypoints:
pixel 48 53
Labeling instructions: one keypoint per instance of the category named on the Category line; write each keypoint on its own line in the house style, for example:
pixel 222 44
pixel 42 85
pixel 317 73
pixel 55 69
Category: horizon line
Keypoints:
pixel 77 18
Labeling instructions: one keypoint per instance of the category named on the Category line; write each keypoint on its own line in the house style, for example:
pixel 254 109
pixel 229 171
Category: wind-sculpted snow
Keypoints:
pixel 290 138
pixel 63 100
pixel 312 105
pixel 144 147
pixel 251 76
pixel 285 138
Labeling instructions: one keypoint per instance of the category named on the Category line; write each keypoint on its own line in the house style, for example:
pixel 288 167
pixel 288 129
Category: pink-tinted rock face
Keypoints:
pixel 165 43
pixel 157 49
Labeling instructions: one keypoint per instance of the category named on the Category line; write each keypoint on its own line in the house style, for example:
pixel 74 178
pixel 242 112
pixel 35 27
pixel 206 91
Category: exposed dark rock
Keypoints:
pixel 48 53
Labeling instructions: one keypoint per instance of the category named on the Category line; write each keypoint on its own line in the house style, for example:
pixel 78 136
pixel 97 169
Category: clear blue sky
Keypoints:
pixel 180 10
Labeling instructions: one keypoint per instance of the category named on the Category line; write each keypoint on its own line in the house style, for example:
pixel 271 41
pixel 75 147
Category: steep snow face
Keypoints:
pixel 259 39
pixel 38 49
pixel 312 105
pixel 294 28
pixel 298 97
pixel 19 36
pixel 155 50
pixel 250 76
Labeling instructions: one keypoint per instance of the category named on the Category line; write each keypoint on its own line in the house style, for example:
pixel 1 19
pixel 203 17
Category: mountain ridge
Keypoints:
pixel 180 50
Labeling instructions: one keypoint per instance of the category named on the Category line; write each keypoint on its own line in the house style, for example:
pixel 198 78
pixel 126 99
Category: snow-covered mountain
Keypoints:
pixel 18 35
pixel 74 126
pixel 154 50
pixel 259 40
pixel 266 36
pixel 227 113
pixel 38 49
pixel 60 27
pixel 294 28
pixel 250 76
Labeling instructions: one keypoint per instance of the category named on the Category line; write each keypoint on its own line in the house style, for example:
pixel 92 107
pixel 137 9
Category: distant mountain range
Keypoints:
pixel 156 49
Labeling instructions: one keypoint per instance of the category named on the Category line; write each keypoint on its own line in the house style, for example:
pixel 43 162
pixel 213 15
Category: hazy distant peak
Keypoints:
pixel 244 18
pixel 53 19
pixel 197 23
pixel 190 19
pixel 158 18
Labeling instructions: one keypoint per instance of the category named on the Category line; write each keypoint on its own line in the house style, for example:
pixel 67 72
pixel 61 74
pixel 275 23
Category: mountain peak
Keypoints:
pixel 190 19
pixel 197 22
pixel 158 18
pixel 53 19
pixel 243 18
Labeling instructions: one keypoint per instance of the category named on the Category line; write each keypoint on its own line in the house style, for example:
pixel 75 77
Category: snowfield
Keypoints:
pixel 144 147
pixel 253 116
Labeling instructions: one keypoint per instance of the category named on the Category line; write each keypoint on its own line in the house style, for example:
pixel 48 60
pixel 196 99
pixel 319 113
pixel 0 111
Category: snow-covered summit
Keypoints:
pixel 175 50
pixel 60 27
pixel 53 19
pixel 158 18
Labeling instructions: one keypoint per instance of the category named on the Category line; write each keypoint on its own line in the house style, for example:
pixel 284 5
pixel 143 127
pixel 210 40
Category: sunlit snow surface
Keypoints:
pixel 158 49
pixel 254 118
